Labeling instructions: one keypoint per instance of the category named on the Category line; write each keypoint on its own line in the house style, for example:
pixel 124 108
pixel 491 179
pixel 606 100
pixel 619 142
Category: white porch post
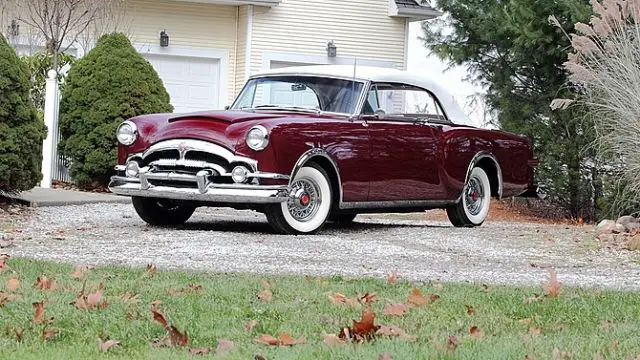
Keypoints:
pixel 51 121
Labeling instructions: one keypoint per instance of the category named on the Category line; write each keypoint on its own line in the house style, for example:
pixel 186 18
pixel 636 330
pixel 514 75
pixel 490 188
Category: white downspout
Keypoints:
pixel 247 54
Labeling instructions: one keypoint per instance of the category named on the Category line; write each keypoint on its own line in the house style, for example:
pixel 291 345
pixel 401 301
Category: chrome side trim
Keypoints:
pixel 396 204
pixel 310 154
pixel 479 156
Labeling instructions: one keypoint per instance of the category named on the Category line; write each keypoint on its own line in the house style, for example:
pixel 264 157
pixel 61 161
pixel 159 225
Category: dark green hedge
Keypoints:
pixel 111 83
pixel 21 129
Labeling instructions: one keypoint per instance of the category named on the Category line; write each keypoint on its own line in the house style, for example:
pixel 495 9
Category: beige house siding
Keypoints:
pixel 189 25
pixel 360 28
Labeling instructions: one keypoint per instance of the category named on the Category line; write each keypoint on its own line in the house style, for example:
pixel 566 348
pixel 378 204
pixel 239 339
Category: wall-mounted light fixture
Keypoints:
pixel 164 38
pixel 332 50
pixel 14 28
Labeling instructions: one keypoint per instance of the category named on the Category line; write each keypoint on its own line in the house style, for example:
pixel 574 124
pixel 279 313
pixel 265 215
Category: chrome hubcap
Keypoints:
pixel 305 204
pixel 474 196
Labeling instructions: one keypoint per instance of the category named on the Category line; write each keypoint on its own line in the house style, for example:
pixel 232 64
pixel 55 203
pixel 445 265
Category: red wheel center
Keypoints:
pixel 305 199
pixel 475 196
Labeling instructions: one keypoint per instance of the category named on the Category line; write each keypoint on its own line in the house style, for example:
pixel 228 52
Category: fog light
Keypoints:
pixel 239 174
pixel 132 169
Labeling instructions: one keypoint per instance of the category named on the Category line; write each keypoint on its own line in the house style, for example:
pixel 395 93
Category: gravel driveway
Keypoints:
pixel 230 241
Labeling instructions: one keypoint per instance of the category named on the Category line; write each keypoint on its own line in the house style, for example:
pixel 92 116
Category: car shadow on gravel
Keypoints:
pixel 264 228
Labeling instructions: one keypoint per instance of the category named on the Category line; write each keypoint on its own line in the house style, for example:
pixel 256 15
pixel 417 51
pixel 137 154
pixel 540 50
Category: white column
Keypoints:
pixel 50 117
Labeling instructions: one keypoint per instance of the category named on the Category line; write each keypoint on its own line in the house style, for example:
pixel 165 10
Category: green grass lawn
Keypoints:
pixel 214 307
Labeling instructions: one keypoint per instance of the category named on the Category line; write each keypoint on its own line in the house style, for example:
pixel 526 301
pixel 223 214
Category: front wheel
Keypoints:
pixel 473 208
pixel 162 212
pixel 307 211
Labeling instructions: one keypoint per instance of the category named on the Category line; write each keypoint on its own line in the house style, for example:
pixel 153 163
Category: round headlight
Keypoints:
pixel 132 170
pixel 258 138
pixel 127 133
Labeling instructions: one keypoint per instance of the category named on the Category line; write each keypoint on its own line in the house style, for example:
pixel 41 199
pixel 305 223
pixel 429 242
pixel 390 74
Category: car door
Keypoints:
pixel 403 145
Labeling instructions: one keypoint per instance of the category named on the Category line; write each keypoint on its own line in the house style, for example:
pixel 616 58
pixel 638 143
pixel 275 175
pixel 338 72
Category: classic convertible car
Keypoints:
pixel 307 145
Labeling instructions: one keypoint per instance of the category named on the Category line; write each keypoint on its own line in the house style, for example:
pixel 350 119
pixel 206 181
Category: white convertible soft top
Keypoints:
pixel 379 74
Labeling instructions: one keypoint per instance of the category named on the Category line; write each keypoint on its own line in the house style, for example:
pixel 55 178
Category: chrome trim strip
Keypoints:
pixel 396 204
pixel 479 156
pixel 198 145
pixel 361 100
pixel 247 194
pixel 310 154
pixel 190 164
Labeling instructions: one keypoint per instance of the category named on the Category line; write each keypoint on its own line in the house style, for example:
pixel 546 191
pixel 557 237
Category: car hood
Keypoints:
pixel 221 127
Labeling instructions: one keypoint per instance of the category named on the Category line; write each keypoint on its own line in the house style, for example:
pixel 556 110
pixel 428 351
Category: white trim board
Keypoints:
pixel 248 40
pixel 219 54
pixel 268 57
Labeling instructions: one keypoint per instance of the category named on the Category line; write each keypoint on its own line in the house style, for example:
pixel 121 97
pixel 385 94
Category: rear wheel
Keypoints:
pixel 162 212
pixel 473 208
pixel 308 210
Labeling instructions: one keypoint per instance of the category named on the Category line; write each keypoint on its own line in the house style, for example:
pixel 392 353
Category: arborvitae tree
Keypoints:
pixel 21 129
pixel 111 83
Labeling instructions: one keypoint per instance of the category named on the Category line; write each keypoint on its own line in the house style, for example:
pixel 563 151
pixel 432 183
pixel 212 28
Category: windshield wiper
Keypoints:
pixel 287 108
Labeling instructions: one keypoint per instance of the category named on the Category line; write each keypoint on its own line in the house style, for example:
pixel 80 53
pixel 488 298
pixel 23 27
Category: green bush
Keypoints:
pixel 109 84
pixel 21 130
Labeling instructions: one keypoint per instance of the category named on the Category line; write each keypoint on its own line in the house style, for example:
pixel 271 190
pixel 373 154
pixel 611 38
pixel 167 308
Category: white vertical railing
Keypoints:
pixel 49 147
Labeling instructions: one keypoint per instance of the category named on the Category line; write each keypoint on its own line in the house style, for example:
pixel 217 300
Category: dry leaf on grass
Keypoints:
pixel 396 309
pixel 49 333
pixel 416 298
pixel 175 336
pixel 19 333
pixel 553 286
pixel 366 298
pixel 13 284
pixel 392 278
pixel 90 301
pixel 558 354
pixel 4 298
pixel 38 312
pixel 45 283
pixel 106 345
pixel 392 330
pixel 470 310
pixel 199 351
pixel 265 295
pixel 333 340
pixel 361 330
pixel 475 331
pixel 338 298
pixel 283 339
pixel 486 288
pixel 80 271
pixel 151 269
pixel 385 356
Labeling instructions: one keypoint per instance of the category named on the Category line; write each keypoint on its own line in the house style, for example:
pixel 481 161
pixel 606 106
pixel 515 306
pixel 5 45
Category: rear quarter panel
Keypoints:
pixel 460 144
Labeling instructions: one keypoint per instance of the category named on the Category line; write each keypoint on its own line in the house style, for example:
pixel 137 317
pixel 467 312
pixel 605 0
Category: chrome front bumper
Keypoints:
pixel 205 191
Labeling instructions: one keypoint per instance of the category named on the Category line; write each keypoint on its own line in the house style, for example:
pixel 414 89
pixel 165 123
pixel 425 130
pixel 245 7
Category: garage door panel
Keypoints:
pixel 193 83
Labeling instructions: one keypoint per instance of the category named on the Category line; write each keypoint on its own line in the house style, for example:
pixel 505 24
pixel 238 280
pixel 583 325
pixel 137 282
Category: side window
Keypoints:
pixel 408 101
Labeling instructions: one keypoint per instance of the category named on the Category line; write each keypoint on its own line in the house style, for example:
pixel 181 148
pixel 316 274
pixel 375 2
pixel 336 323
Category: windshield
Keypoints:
pixel 300 93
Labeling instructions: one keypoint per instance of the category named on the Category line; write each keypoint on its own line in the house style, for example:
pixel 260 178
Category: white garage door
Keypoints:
pixel 192 82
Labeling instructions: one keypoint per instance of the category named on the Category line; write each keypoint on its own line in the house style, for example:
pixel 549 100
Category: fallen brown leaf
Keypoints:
pixel 13 284
pixel 49 333
pixel 90 301
pixel 416 298
pixel 392 330
pixel 106 345
pixel 366 298
pixel 392 278
pixel 79 271
pixel 224 346
pixel 45 283
pixel 396 309
pixel 283 339
pixel 19 333
pixel 452 343
pixel 38 312
pixel 475 331
pixel 176 337
pixel 265 295
pixel 557 354
pixel 333 340
pixel 470 310
pixel 486 288
pixel 385 356
pixel 553 286
pixel 4 298
pixel 151 269
pixel 338 298
pixel 361 330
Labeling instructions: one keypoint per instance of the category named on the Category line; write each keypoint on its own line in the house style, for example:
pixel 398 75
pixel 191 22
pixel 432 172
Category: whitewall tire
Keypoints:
pixel 308 212
pixel 473 208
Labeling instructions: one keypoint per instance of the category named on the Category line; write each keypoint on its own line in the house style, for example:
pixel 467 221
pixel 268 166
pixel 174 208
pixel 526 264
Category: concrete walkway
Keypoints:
pixel 38 197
